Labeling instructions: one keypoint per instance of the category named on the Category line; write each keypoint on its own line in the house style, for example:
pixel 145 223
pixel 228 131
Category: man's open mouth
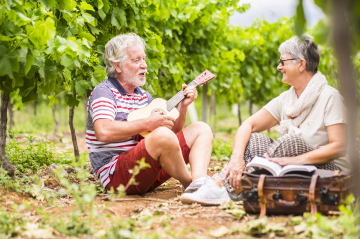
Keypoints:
pixel 142 74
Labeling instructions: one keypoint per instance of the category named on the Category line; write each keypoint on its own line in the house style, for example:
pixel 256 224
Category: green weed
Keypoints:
pixel 312 226
pixel 84 216
pixel 20 184
pixel 33 154
pixel 343 226
pixel 12 222
pixel 119 229
pixel 221 149
pixel 7 182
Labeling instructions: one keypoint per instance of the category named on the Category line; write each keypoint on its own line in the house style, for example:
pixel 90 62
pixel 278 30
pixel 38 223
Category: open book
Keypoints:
pixel 277 170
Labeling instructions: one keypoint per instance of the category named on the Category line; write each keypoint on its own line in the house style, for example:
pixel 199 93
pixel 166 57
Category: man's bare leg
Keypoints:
pixel 163 146
pixel 199 138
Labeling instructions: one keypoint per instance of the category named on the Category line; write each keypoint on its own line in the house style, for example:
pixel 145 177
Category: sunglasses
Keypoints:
pixel 281 61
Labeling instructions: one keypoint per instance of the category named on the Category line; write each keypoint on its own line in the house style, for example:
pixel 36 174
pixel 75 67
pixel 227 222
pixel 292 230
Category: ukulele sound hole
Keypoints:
pixel 158 110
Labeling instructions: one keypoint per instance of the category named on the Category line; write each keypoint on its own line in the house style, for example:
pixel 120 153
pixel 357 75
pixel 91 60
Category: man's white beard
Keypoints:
pixel 134 80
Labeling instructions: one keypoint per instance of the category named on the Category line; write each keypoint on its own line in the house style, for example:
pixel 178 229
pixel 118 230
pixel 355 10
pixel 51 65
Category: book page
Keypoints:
pixel 261 162
pixel 303 168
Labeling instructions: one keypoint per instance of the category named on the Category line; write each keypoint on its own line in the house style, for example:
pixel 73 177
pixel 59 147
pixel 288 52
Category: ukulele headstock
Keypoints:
pixel 204 77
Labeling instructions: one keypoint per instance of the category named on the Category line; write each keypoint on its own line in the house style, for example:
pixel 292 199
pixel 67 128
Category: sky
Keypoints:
pixel 272 10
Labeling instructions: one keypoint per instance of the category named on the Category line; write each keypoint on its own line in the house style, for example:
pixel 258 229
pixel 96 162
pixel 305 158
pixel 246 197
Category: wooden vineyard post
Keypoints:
pixel 204 103
pixel 212 109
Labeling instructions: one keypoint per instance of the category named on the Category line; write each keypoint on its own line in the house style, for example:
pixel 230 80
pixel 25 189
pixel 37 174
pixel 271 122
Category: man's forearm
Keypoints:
pixel 115 131
pixel 180 122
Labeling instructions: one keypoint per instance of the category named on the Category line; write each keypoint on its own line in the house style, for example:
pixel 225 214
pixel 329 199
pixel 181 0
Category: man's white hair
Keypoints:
pixel 304 48
pixel 115 50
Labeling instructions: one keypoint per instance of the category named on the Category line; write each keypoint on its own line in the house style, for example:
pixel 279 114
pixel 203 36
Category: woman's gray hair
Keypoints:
pixel 115 50
pixel 303 48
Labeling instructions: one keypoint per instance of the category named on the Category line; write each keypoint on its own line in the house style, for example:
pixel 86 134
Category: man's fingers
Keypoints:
pixel 169 118
pixel 189 90
pixel 190 95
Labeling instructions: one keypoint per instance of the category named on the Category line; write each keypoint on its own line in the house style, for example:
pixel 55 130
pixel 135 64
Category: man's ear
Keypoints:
pixel 302 65
pixel 117 68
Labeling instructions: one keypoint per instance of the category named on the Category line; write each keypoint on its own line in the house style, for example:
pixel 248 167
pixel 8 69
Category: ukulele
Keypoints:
pixel 167 107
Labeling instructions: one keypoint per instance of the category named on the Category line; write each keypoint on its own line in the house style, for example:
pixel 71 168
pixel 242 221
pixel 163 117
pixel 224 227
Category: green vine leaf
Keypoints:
pixel 41 32
pixel 81 86
pixel 5 66
pixel 29 62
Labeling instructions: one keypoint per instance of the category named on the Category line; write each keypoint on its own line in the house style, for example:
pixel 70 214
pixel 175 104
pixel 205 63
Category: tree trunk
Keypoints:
pixel 250 108
pixel 35 106
pixel 11 116
pixel 73 133
pixel 59 110
pixel 342 42
pixel 212 109
pixel 86 112
pixel 54 116
pixel 254 108
pixel 3 121
pixel 239 111
pixel 204 103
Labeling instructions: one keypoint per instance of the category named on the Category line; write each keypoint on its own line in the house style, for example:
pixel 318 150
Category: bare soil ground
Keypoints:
pixel 184 221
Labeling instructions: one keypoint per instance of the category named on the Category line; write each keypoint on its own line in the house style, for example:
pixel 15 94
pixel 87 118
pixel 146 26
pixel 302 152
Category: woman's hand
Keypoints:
pixel 287 160
pixel 234 170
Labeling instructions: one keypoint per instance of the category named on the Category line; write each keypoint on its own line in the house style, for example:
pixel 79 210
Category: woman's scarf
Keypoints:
pixel 297 109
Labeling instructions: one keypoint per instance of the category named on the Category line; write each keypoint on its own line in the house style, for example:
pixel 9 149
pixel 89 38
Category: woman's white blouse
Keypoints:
pixel 329 109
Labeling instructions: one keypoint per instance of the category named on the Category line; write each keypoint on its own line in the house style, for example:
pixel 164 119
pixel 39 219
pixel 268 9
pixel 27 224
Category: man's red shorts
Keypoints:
pixel 148 178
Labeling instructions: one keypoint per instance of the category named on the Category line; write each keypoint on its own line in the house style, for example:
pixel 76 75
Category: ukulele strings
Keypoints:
pixel 178 97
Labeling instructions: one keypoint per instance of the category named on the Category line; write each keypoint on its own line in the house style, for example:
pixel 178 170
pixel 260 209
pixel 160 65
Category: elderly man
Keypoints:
pixel 115 145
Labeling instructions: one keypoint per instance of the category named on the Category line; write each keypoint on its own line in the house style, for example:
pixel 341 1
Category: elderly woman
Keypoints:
pixel 311 119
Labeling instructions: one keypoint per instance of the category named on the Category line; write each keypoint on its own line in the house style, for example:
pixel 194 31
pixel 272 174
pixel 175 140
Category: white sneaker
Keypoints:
pixel 194 186
pixel 208 194
pixel 232 195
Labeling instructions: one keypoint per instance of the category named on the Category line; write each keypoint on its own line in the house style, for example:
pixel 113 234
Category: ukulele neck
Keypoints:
pixel 176 99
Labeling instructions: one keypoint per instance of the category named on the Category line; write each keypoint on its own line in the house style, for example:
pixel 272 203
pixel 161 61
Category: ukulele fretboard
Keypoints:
pixel 178 97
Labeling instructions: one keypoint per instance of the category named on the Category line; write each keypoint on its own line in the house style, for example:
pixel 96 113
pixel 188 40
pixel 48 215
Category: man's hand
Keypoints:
pixel 158 120
pixel 234 170
pixel 190 95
